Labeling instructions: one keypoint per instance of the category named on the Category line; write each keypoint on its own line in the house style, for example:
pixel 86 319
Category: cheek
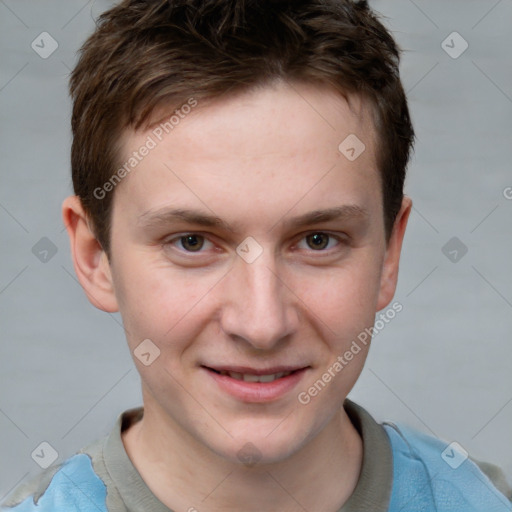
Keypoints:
pixel 159 303
pixel 344 299
pixel 341 306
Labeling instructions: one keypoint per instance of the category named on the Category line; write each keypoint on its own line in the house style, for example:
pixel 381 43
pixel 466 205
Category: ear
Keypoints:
pixel 89 259
pixel 389 275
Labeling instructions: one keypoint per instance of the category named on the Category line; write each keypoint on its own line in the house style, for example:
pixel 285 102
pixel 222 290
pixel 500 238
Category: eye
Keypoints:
pixel 319 241
pixel 192 243
pixel 189 242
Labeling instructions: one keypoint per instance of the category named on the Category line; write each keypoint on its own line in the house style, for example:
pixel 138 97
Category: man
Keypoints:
pixel 238 170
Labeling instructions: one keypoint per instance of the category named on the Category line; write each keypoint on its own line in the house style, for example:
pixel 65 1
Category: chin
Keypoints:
pixel 266 443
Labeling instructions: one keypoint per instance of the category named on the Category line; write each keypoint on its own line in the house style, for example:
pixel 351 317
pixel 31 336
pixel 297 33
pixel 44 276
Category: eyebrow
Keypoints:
pixel 166 216
pixel 169 215
pixel 344 212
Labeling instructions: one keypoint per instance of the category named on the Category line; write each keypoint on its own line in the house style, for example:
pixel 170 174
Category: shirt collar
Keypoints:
pixel 372 492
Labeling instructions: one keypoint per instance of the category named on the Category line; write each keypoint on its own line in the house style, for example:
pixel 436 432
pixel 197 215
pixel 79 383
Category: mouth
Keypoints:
pixel 256 385
pixel 252 376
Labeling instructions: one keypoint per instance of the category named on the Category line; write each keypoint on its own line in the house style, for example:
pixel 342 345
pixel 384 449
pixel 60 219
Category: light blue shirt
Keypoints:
pixel 428 475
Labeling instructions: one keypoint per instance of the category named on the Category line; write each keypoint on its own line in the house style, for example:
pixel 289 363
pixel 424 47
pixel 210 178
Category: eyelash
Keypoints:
pixel 331 236
pixel 184 235
pixel 176 239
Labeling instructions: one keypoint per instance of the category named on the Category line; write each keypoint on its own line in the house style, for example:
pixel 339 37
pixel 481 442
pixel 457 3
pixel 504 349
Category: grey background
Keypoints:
pixel 443 365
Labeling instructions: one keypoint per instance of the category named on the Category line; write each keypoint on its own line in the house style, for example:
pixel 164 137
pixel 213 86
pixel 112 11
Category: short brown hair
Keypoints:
pixel 146 54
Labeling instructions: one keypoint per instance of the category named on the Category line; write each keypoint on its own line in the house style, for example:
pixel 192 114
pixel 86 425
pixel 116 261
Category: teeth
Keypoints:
pixel 269 378
pixel 252 378
pixel 247 377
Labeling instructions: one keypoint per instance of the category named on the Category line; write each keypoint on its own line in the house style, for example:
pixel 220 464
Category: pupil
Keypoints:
pixel 191 242
pixel 319 240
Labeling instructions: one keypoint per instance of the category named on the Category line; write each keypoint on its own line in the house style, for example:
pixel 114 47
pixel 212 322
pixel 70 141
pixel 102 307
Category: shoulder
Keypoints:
pixel 70 486
pixel 428 472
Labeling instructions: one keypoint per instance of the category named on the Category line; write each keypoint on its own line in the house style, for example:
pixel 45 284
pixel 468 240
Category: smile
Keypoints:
pixel 255 385
pixel 247 377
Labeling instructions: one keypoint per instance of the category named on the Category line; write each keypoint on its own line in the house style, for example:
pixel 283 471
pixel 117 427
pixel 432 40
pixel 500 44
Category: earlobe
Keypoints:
pixel 389 275
pixel 89 259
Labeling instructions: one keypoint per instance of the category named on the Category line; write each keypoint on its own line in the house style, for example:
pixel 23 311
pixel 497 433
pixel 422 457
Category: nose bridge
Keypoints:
pixel 258 308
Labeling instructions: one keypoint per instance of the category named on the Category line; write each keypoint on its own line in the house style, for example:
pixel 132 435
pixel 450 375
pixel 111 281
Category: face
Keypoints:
pixel 246 244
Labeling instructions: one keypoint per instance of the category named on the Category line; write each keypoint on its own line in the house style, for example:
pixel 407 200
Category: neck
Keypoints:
pixel 185 475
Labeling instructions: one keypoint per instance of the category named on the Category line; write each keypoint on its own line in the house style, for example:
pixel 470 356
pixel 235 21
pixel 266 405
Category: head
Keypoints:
pixel 203 132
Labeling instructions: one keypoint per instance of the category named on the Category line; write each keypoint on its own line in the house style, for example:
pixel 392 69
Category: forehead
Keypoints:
pixel 268 146
pixel 288 112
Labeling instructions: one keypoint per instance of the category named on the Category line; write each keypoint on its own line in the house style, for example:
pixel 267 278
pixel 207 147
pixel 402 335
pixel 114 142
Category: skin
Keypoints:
pixel 256 160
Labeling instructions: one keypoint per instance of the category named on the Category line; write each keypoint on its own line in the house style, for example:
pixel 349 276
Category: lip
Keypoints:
pixel 256 391
pixel 256 371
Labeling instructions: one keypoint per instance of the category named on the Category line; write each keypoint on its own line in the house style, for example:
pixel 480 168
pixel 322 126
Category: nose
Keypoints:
pixel 259 306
